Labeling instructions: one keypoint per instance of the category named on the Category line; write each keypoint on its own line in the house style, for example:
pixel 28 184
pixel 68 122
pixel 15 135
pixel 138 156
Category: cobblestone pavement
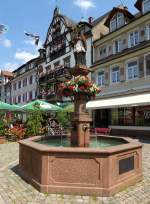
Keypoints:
pixel 14 190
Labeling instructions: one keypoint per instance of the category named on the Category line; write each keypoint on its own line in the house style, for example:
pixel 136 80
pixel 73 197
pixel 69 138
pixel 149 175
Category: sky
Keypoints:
pixel 35 16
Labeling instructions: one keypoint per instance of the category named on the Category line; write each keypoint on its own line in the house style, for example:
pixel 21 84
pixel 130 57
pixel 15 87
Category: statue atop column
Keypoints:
pixel 79 47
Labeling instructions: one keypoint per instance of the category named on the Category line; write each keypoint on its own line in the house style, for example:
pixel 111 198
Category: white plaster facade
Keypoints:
pixel 24 84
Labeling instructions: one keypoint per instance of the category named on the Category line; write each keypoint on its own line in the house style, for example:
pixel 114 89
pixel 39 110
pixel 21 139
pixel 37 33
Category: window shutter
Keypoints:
pixel 107 77
pixel 93 78
pixel 147 62
pixel 124 44
pixel 142 35
pixel 122 74
pixel 141 67
pixel 110 50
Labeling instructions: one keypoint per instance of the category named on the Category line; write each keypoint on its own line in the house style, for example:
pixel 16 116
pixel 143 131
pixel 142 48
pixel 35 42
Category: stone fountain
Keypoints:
pixel 80 168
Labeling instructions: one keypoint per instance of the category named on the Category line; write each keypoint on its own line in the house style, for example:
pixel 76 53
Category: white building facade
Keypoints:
pixel 24 83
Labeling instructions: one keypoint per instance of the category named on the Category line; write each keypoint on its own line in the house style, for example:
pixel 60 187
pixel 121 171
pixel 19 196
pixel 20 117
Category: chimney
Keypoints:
pixel 90 19
pixel 126 8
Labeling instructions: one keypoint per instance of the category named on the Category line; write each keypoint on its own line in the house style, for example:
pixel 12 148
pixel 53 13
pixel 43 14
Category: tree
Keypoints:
pixel 34 123
pixel 64 117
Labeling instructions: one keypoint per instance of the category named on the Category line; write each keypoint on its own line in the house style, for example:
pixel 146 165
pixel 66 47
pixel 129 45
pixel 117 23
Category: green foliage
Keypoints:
pixel 2 124
pixel 64 118
pixel 34 123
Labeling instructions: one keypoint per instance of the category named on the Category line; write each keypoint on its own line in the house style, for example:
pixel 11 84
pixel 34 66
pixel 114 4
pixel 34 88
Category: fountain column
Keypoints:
pixel 80 136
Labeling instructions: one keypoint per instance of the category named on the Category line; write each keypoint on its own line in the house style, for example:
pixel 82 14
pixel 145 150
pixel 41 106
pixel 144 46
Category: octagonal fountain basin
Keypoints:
pixel 109 165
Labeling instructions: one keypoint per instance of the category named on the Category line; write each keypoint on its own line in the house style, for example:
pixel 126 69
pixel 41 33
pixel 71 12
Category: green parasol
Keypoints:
pixel 41 105
pixel 8 107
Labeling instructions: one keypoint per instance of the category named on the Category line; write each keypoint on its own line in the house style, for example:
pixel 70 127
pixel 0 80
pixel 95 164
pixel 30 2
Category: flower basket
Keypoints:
pixel 80 84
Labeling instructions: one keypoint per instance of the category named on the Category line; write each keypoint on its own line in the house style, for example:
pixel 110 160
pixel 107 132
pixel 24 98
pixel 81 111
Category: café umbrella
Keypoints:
pixel 8 107
pixel 40 105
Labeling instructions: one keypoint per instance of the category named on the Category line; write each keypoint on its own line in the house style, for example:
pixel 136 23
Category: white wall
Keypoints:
pixel 30 87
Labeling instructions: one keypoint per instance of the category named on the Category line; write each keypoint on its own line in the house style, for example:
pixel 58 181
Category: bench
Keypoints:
pixel 105 131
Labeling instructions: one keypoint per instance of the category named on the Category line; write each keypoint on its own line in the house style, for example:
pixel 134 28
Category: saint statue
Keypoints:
pixel 79 48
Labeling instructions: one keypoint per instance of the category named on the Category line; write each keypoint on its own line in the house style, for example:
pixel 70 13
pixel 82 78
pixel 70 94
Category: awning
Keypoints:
pixel 126 101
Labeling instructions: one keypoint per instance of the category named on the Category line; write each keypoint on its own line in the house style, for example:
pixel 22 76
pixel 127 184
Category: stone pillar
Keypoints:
pixel 80 136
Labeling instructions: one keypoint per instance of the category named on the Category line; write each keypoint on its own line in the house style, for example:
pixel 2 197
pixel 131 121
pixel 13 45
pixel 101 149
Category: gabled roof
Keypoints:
pixel 99 19
pixel 123 10
pixel 138 5
pixel 22 66
pixel 69 22
pixel 7 73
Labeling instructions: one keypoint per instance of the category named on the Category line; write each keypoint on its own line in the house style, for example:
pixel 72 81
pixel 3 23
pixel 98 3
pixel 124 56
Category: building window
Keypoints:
pixel 113 24
pixel 117 46
pixel 24 97
pixel 133 39
pixel 115 75
pixel 30 96
pixel 19 84
pixel 14 87
pixel 103 52
pixel 117 21
pixel 67 62
pixel 120 20
pixel 19 99
pixel 101 78
pixel 133 116
pixel 25 82
pixel 132 70
pixel 31 79
pixel 35 94
pixel 34 78
pixel 56 64
pixel 48 69
pixel 146 6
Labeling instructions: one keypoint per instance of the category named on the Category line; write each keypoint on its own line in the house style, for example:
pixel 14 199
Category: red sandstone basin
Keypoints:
pixel 82 171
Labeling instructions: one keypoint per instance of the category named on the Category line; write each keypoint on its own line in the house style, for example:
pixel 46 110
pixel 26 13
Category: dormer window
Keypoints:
pixel 146 6
pixel 120 20
pixel 117 21
pixel 113 24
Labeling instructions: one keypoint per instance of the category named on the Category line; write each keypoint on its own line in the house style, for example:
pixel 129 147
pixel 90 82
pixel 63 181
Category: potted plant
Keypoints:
pixel 2 129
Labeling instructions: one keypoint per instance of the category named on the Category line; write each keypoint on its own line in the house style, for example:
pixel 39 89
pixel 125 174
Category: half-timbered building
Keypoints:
pixel 59 57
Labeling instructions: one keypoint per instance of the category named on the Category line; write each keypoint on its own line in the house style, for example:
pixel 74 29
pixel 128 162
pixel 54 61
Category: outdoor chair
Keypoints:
pixel 105 131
